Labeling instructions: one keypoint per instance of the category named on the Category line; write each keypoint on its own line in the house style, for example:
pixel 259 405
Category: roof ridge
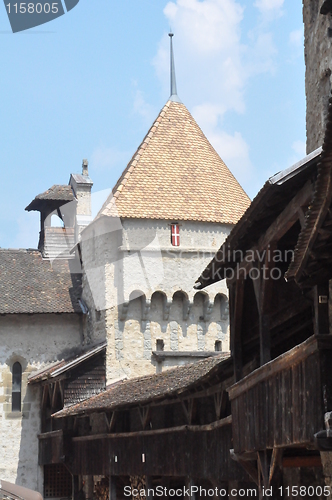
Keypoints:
pixel 123 179
pixel 21 250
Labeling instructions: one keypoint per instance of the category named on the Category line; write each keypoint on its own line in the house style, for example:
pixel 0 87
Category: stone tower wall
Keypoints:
pixel 140 290
pixel 318 60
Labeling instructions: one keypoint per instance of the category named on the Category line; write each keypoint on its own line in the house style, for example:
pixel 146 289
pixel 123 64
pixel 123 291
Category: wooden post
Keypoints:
pixel 189 484
pixel 264 297
pixel 112 488
pixel 89 487
pixel 236 296
pixel 321 306
pixel 75 487
pixel 264 338
pixel 233 486
pixel 148 486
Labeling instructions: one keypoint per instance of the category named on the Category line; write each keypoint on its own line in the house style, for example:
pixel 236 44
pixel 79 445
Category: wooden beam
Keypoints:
pixel 276 462
pixel 302 461
pixel 289 358
pixel 217 398
pixel 144 413
pixel 248 465
pixel 61 387
pixel 191 428
pixel 236 309
pixel 287 218
pixel 187 406
pixel 44 397
pixel 110 420
pixel 263 467
pixel 279 227
pixel 54 394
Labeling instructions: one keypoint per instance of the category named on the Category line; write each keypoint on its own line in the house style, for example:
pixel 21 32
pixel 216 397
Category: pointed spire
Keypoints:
pixel 174 94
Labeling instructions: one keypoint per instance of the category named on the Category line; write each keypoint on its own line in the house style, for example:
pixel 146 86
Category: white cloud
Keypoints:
pixel 216 67
pixel 232 148
pixel 299 148
pixel 268 6
pixel 143 108
pixel 296 38
pixel 234 151
pixel 263 55
pixel 28 225
pixel 106 158
pixel 207 42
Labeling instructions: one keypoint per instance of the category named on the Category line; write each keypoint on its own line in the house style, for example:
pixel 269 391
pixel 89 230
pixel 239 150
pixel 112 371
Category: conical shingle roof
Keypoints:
pixel 176 174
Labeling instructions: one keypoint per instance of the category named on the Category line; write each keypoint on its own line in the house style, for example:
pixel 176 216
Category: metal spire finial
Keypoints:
pixel 174 94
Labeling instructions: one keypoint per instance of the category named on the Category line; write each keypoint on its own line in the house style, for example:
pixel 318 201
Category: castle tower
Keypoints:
pixel 318 59
pixel 172 207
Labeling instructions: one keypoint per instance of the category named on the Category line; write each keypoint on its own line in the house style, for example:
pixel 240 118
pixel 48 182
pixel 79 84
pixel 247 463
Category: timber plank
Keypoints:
pixel 295 355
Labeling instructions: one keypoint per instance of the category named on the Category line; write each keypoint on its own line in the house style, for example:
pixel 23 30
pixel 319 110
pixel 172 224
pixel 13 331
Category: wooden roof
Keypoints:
pixel 55 196
pixel 141 390
pixel 176 174
pixel 60 368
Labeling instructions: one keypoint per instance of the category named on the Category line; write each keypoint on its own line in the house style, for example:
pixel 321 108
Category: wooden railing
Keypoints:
pixel 195 451
pixel 283 402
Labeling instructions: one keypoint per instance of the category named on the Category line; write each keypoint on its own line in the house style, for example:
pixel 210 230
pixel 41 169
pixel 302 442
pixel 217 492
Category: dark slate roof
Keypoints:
pixel 60 367
pixel 58 194
pixel 82 179
pixel 30 284
pixel 141 390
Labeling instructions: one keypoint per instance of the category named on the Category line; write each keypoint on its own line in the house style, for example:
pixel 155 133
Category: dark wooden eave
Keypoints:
pixel 272 200
pixel 53 198
pixel 312 261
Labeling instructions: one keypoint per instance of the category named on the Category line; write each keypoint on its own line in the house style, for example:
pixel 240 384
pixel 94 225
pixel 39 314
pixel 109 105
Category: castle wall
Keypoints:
pixel 318 60
pixel 123 270
pixel 34 341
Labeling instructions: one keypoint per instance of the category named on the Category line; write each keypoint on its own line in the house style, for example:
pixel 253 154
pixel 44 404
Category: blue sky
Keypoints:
pixel 90 83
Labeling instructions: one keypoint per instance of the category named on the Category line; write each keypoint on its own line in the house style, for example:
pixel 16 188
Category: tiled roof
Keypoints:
pixel 176 174
pixel 60 367
pixel 140 390
pixel 58 193
pixel 29 284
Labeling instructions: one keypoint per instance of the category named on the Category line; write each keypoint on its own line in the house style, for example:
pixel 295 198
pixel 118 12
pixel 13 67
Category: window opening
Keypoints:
pixel 16 386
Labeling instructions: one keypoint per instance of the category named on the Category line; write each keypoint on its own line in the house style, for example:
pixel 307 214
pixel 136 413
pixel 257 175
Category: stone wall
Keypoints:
pixel 139 289
pixel 34 341
pixel 318 60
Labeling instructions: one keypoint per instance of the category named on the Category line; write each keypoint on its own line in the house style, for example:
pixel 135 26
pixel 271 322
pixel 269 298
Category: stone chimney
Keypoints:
pixel 81 185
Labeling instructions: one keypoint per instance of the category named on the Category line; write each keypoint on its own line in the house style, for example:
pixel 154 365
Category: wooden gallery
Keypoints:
pixel 255 420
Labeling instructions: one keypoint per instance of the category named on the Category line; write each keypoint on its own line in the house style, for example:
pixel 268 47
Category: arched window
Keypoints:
pixel 16 386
